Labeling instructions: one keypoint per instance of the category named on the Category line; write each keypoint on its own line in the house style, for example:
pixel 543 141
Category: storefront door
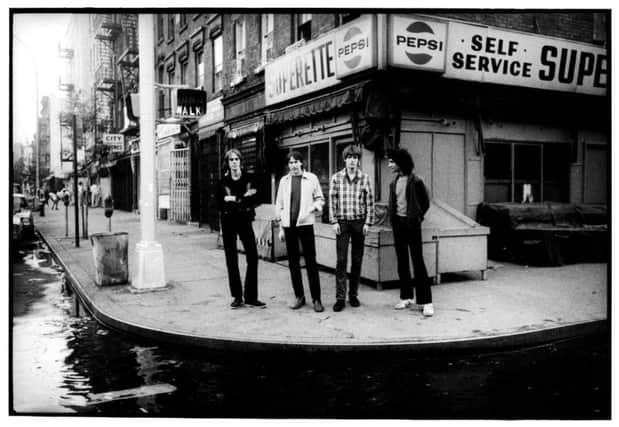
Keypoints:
pixel 208 177
pixel 596 177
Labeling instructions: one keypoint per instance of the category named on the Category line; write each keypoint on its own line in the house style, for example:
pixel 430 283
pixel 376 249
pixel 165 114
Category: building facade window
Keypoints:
pixel 161 92
pixel 266 39
pixel 344 18
pixel 170 82
pixel 182 20
pixel 170 27
pixel 160 29
pixel 514 170
pixel 183 69
pixel 303 26
pixel 218 63
pixel 199 69
pixel 239 45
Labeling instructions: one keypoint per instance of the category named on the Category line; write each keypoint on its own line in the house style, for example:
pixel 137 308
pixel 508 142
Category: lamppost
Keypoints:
pixel 149 273
pixel 36 112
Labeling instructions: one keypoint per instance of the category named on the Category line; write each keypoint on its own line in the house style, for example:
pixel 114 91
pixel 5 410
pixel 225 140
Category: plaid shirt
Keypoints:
pixel 351 200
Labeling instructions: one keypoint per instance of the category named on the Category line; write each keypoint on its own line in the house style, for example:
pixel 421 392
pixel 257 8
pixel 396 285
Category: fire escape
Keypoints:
pixel 107 28
pixel 65 84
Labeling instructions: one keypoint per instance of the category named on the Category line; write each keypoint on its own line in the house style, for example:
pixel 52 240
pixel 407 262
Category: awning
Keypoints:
pixel 322 104
pixel 208 131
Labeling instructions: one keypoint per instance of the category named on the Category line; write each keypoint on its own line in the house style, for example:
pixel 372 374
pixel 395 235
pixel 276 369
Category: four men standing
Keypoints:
pixel 351 213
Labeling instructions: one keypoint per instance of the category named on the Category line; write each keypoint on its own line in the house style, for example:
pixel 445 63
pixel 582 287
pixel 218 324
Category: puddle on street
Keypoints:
pixel 63 365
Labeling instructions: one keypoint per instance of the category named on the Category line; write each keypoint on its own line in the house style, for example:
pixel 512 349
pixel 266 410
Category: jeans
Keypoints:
pixel 305 235
pixel 407 236
pixel 231 227
pixel 349 230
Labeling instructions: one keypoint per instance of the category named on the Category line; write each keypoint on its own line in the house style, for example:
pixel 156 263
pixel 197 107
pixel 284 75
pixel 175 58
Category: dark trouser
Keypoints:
pixel 305 235
pixel 349 230
pixel 408 236
pixel 231 227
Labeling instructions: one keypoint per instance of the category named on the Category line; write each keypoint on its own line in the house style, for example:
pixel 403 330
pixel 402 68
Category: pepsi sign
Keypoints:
pixel 417 43
pixel 355 46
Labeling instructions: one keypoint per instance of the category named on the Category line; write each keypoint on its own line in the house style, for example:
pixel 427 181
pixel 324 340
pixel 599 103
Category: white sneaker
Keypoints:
pixel 404 303
pixel 428 310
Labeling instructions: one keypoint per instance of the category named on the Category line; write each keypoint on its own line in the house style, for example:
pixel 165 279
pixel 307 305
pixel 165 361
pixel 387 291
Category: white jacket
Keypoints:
pixel 311 199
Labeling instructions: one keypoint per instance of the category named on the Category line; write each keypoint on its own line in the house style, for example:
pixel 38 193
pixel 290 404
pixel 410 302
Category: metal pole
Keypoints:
pixel 147 127
pixel 66 221
pixel 150 272
pixel 75 195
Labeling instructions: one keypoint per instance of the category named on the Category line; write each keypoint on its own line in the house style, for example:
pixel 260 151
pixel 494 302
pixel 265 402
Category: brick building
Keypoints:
pixel 494 107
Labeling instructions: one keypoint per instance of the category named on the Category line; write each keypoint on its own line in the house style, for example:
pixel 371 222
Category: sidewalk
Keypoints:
pixel 515 306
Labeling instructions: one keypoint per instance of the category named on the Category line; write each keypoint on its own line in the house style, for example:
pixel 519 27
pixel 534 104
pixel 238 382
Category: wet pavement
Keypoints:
pixel 80 367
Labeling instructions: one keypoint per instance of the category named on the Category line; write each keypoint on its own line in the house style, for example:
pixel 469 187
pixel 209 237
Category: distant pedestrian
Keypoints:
pixel 351 212
pixel 46 196
pixel 95 195
pixel 299 198
pixel 236 200
pixel 54 198
pixel 82 195
pixel 408 204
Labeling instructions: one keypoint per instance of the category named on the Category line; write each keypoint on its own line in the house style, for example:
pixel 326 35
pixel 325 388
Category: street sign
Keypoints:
pixel 188 103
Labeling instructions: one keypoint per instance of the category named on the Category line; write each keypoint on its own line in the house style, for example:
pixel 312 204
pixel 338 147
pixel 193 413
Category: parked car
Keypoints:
pixel 23 223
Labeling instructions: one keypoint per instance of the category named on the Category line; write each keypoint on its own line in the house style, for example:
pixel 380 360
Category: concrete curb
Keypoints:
pixel 488 343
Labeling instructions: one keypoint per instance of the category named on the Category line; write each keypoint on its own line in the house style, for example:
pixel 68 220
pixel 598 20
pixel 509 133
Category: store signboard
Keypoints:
pixel 116 142
pixel 167 129
pixel 417 43
pixel 355 46
pixel 489 55
pixel 304 70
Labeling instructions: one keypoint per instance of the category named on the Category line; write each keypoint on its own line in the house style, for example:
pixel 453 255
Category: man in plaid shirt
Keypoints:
pixel 351 212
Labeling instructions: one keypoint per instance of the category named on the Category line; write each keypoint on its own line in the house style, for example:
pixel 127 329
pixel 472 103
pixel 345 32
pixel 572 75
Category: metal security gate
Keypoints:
pixel 180 185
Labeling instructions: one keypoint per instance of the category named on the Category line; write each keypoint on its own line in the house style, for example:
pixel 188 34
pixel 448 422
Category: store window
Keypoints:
pixel 316 161
pixel 517 172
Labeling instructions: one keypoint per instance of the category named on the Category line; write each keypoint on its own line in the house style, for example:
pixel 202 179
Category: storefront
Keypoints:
pixel 488 115
pixel 172 163
pixel 210 137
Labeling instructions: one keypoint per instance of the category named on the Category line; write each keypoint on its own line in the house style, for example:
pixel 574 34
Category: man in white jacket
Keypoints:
pixel 299 199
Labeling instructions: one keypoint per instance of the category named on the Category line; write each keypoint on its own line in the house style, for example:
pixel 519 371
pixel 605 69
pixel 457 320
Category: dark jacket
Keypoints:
pixel 417 200
pixel 244 206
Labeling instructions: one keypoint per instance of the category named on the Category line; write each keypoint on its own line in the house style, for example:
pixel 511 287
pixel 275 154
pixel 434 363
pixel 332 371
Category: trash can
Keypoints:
pixel 110 254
